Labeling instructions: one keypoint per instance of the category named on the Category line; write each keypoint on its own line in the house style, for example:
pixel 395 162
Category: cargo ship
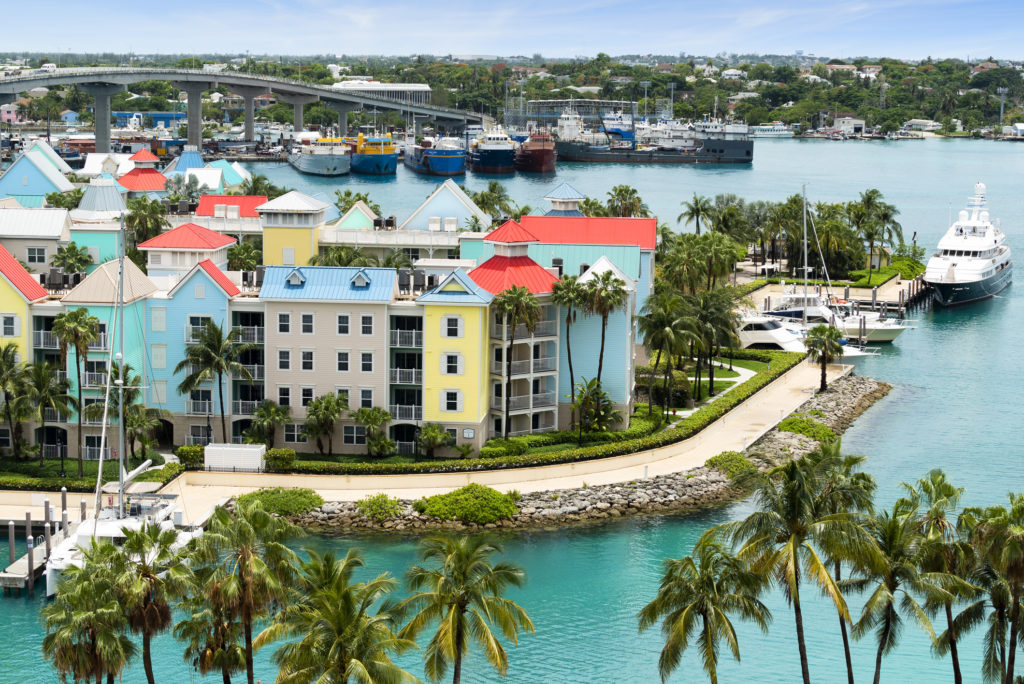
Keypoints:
pixel 436 157
pixel 493 152
pixel 320 156
pixel 374 156
pixel 537 154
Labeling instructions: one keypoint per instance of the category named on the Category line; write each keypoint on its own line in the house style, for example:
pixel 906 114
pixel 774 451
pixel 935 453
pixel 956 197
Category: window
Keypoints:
pixel 453 433
pixel 451 326
pixel 366 363
pixel 284 359
pixel 451 400
pixel 284 395
pixel 200 292
pixel 307 360
pixel 288 256
pixel 366 398
pixel 199 434
pixel 37 255
pixel 154 258
pixel 307 324
pixel 294 433
pixel 9 325
pixel 412 252
pixel 159 355
pixel 366 325
pixel 159 391
pixel 353 434
pixel 5 438
pixel 343 393
pixel 284 323
pixel 343 361
pixel 343 324
pixel 307 396
pixel 159 319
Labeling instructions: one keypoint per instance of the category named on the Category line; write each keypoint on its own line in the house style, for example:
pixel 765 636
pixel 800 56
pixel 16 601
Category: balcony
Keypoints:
pixel 244 408
pixel 256 371
pixel 199 407
pixel 406 376
pixel 406 338
pixel 525 366
pixel 52 416
pixel 89 418
pixel 44 339
pixel 199 440
pixel 523 402
pixel 543 329
pixel 100 343
pixel 249 334
pixel 406 448
pixel 92 453
pixel 544 364
pixel 94 380
pixel 403 412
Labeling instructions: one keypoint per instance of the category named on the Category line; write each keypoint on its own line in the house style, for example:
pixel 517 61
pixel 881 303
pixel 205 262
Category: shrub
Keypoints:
pixel 163 475
pixel 281 501
pixel 379 507
pixel 280 460
pixel 471 504
pixel 731 463
pixel 801 424
pixel 191 456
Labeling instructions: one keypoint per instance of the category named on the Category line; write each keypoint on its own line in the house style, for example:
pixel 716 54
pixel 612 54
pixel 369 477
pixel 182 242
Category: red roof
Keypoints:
pixel 510 232
pixel 499 273
pixel 143 180
pixel 188 236
pixel 24 281
pixel 246 204
pixel 144 155
pixel 593 230
pixel 219 277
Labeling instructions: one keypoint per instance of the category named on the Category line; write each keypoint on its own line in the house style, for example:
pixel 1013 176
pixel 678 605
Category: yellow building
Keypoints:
pixel 18 289
pixel 455 357
pixel 291 228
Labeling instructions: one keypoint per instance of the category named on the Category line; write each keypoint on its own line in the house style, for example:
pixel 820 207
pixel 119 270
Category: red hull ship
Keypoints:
pixel 536 155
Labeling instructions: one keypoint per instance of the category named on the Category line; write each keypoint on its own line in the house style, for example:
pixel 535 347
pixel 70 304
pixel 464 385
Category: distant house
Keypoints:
pixel 291 228
pixel 983 67
pixel 10 114
pixel 33 235
pixel 922 125
pixel 144 179
pixel 31 178
pixel 739 97
pixel 112 163
pixel 358 217
pixel 447 209
pixel 233 174
pixel 18 290
pixel 70 118
pixel 736 74
pixel 849 125
pixel 847 68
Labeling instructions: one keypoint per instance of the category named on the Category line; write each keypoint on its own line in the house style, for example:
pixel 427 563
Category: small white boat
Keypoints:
pixel 812 310
pixel 765 332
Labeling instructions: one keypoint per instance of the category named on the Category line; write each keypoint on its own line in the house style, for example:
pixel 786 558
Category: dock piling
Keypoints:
pixel 63 498
pixel 30 580
pixel 28 523
pixel 874 298
pixel 82 502
pixel 64 521
pixel 10 540
pixel 46 524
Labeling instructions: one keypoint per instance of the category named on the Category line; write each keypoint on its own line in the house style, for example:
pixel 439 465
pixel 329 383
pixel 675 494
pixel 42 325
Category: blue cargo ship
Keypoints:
pixel 445 157
pixel 494 152
pixel 374 156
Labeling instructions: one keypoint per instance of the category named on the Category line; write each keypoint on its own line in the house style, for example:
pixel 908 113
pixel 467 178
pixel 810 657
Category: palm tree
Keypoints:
pixel 823 346
pixel 594 409
pixel 47 391
pixel 665 328
pixel 248 545
pixel 606 294
pixel 145 219
pixel 339 639
pixel 695 598
pixel 432 436
pixel 374 419
pixel 685 264
pixel 719 255
pixel 259 184
pixel 625 201
pixel 697 209
pixel 322 416
pixel 213 354
pixel 516 306
pixel 154 572
pixel 342 255
pixel 210 627
pixel 76 330
pixel 72 258
pixel 265 419
pixel 347 199
pixel 462 593
pixel 714 322
pixel 244 257
pixel 570 294
pixel 396 258
pixel 732 223
pixel 589 206
pixel 12 384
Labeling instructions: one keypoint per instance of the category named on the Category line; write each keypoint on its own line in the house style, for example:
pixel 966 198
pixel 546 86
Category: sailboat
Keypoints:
pixel 118 513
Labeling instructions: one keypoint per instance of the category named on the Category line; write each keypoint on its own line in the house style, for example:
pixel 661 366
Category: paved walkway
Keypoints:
pixel 200 491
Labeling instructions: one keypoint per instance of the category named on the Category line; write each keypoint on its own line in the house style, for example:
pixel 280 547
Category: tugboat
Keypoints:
pixel 494 152
pixel 436 157
pixel 973 261
pixel 536 154
pixel 374 156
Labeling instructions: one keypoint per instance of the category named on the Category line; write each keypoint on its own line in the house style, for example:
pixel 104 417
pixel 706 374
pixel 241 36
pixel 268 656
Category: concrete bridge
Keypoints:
pixel 102 82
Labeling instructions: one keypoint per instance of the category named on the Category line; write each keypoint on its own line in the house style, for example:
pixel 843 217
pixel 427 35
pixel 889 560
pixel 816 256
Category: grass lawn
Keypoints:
pixel 51 468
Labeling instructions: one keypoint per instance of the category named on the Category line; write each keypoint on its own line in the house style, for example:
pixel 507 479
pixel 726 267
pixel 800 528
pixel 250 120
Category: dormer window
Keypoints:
pixel 295 278
pixel 360 280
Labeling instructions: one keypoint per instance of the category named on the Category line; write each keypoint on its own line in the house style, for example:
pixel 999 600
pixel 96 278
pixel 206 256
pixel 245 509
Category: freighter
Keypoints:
pixel 441 157
pixel 493 152
pixel 374 156
pixel 537 154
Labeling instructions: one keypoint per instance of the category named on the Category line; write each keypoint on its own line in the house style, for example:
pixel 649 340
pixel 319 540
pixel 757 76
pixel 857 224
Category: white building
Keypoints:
pixel 922 125
pixel 849 125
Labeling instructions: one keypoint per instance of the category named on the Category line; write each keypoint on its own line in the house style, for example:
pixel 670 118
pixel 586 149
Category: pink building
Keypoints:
pixel 9 114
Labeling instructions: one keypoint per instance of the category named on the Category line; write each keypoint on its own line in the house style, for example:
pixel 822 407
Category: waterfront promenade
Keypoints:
pixel 198 492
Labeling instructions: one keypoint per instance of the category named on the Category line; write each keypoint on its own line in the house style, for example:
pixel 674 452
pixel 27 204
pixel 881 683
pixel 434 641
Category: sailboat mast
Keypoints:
pixel 119 317
pixel 804 194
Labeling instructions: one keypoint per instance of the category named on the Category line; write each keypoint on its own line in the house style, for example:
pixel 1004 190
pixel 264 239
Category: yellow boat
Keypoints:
pixel 373 155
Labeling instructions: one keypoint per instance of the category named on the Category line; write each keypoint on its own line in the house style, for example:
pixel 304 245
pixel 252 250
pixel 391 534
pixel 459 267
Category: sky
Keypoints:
pixel 905 29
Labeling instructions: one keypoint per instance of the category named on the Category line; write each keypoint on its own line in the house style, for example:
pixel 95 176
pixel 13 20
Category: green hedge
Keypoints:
pixel 13 481
pixel 732 464
pixel 639 426
pixel 282 501
pixel 778 363
pixel 191 456
pixel 280 460
pixel 473 503
pixel 168 472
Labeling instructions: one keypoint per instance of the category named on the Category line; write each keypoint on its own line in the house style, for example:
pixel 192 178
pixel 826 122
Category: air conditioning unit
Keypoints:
pixel 219 211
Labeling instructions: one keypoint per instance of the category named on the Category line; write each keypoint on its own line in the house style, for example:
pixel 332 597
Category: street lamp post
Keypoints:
pixel 60 450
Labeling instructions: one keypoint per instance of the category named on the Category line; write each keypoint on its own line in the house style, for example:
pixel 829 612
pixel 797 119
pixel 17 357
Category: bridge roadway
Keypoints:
pixel 102 82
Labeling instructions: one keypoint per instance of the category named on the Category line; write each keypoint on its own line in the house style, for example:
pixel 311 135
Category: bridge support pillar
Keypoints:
pixel 194 91
pixel 101 93
pixel 297 101
pixel 249 94
pixel 342 108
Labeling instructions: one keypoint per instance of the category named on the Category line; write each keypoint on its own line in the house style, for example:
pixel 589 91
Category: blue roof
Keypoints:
pixel 565 192
pixel 189 159
pixel 328 283
pixel 331 213
pixel 231 177
pixel 564 212
pixel 470 292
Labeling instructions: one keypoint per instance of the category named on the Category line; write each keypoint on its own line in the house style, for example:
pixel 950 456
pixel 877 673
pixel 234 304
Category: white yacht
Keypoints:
pixel 815 310
pixel 775 129
pixel 973 261
pixel 765 332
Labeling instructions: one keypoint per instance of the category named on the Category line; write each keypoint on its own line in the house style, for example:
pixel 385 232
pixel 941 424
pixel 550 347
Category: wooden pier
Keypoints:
pixel 23 572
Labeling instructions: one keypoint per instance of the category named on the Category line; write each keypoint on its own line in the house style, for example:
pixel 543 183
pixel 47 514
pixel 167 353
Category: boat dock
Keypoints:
pixel 895 296
pixel 22 573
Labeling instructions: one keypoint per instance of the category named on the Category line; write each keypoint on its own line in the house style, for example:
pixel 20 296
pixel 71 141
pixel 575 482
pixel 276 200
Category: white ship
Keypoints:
pixel 775 129
pixel 320 156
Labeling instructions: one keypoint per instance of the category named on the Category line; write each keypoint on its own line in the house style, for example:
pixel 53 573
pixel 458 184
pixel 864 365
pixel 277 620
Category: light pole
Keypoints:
pixel 645 85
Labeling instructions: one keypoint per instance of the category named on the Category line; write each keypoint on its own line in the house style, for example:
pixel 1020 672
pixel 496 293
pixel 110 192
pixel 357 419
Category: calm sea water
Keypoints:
pixel 954 405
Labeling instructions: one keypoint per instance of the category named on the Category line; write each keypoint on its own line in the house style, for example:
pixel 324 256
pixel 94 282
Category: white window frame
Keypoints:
pixel 158 356
pixel 302 360
pixel 200 291
pixel 460 326
pixel 353 435
pixel 348 360
pixel 288 362
pixel 338 391
pixel 288 391
pixel 458 400
pixel 302 323
pixel 362 398
pixel 303 401
pixel 362 323
pixel 158 319
pixel 285 318
pixel 13 319
pixel 347 324
pixel 460 363
pixel 28 255
pixel 362 360
pixel 288 256
pixel 295 433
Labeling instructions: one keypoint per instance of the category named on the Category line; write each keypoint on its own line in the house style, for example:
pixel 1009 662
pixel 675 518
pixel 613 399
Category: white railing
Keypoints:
pixel 53 416
pixel 192 333
pixel 89 419
pixel 544 364
pixel 406 448
pixel 406 376
pixel 52 451
pixel 244 408
pixel 518 367
pixel 406 338
pixel 95 380
pixel 524 401
pixel 199 407
pixel 201 440
pixel 62 375
pixel 250 334
pixel 90 453
pixel 100 343
pixel 543 329
pixel 44 339
pixel 403 412
pixel 256 371
pixel 535 431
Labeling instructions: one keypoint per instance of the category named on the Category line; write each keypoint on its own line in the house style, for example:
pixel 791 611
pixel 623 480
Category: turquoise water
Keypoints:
pixel 954 405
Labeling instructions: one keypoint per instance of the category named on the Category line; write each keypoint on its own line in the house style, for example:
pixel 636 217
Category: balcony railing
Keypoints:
pixel 44 339
pixel 524 401
pixel 544 364
pixel 256 371
pixel 100 343
pixel 543 329
pixel 55 451
pixel 89 418
pixel 534 431
pixel 52 416
pixel 250 334
pixel 406 338
pixel 406 448
pixel 62 375
pixel 94 380
pixel 201 440
pixel 404 412
pixel 406 376
pixel 197 407
pixel 92 453
pixel 244 408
